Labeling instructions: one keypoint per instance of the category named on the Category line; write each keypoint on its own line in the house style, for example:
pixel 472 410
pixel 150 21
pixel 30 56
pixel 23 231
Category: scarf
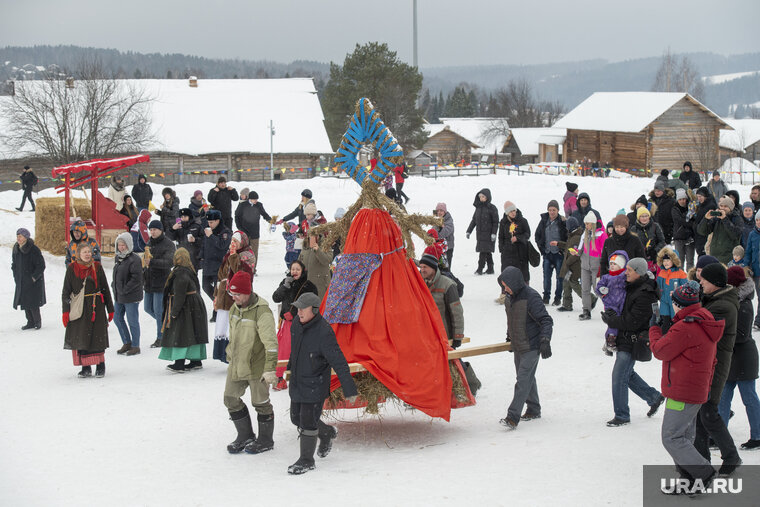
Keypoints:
pixel 82 270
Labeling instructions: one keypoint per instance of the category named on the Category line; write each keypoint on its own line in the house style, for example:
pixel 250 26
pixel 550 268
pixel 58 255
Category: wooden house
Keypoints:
pixel 743 141
pixel 470 139
pixel 533 145
pixel 643 131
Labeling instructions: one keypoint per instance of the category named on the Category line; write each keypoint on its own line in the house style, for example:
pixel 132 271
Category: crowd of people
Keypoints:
pixel 633 263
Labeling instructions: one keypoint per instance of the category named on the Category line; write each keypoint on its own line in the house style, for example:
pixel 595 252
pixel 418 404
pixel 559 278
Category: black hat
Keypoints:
pixel 703 192
pixel 705 260
pixel 429 260
pixel 253 194
pixel 306 193
pixel 186 212
pixel 715 274
pixel 641 200
pixel 687 164
pixel 572 187
pixel 213 214
pixel 26 167
pixel 664 172
pixel 221 179
pixel 156 224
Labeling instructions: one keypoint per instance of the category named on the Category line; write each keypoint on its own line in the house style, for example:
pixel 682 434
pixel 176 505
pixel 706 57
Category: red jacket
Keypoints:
pixel 397 171
pixel 687 353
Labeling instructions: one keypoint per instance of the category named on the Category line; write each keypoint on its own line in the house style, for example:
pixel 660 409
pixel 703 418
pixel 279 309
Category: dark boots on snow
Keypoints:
pixel 327 434
pixel 308 441
pixel 245 435
pixel 100 370
pixel 177 366
pixel 264 442
pixel 124 348
pixel 85 372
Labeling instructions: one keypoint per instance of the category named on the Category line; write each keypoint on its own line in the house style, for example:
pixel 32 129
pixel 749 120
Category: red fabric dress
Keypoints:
pixel 399 337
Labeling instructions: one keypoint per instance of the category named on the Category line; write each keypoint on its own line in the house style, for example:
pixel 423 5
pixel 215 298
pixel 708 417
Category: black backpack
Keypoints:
pixel 460 285
pixel 405 172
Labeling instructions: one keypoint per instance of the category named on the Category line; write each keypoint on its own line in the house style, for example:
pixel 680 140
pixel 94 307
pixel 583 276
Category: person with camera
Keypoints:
pixel 725 225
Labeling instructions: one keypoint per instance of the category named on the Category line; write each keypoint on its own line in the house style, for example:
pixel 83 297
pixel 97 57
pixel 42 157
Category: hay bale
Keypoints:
pixel 49 222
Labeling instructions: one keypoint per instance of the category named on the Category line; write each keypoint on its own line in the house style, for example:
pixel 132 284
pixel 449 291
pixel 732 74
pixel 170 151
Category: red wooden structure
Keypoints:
pixel 94 169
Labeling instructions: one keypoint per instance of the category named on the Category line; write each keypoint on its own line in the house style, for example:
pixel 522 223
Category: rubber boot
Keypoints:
pixel 327 434
pixel 308 441
pixel 245 435
pixel 264 442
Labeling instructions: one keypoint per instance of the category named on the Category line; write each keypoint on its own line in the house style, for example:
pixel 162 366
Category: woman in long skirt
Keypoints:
pixel 87 333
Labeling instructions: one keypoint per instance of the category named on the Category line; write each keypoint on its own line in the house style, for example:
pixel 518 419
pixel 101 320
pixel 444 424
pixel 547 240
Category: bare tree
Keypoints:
pixel 705 147
pixel 69 120
pixel 678 75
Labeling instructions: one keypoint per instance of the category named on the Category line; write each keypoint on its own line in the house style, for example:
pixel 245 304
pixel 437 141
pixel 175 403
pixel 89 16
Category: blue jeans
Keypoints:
pixel 133 317
pixel 623 377
pixel 552 264
pixel 751 404
pixel 154 306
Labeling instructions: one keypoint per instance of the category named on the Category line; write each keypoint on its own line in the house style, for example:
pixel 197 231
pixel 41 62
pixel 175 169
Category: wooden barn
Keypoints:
pixel 743 141
pixel 470 139
pixel 533 145
pixel 643 131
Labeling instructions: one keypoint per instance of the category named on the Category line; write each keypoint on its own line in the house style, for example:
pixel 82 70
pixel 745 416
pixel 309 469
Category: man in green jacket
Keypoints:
pixel 725 225
pixel 252 356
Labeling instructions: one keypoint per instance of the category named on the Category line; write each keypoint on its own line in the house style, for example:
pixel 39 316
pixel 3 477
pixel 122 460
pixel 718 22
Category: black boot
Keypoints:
pixel 327 434
pixel 308 441
pixel 213 315
pixel 245 435
pixel 100 370
pixel 85 372
pixel 264 442
pixel 177 367
pixel 586 315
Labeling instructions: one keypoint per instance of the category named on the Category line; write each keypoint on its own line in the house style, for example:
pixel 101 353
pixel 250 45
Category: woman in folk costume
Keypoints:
pixel 291 287
pixel 87 310
pixel 239 257
pixel 185 331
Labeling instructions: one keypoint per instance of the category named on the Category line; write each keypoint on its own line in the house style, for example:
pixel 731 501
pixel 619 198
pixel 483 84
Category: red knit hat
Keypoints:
pixel 240 283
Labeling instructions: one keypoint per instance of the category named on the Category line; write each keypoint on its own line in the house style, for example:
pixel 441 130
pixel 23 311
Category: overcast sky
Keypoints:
pixel 451 32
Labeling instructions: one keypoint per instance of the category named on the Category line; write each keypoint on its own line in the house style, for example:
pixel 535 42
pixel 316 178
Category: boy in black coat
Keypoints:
pixel 314 350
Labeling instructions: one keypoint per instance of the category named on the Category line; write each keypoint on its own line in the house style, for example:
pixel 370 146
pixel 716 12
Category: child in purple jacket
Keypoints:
pixel 611 288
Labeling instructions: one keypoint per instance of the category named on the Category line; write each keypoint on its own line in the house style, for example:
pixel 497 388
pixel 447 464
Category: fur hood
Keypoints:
pixel 746 290
pixel 692 274
pixel 672 254
pixel 668 191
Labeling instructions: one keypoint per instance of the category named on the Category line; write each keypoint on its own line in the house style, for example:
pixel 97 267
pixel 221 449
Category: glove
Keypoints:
pixel 467 235
pixel 65 318
pixel 110 316
pixel 607 315
pixel 456 342
pixel 545 348
pixel 269 377
pixel 493 237
pixel 288 281
pixel 352 399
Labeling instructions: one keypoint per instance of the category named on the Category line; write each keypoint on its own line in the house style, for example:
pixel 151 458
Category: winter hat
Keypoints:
pixel 429 260
pixel 687 164
pixel 236 236
pixel 27 167
pixel 706 260
pixel 572 224
pixel 240 283
pixel 433 233
pixel 749 205
pixel 716 173
pixel 310 208
pixel 571 187
pixel 509 207
pixel 306 193
pixel 686 294
pixel 734 195
pixel 441 206
pixel 641 200
pixel 659 185
pixel 186 212
pixel 639 265
pixel 221 179
pixel 24 232
pixel 253 194
pixel 642 211
pixel 213 214
pixel 620 220
pixel 339 213
pixel 727 202
pixel 307 299
pixel 715 274
pixel 156 224
pixel 244 191
pixel 681 194
pixel 197 193
pixel 126 238
pixel 553 204
pixel 738 251
pixel 618 260
pixel 664 173
pixel 703 192
pixel 621 211
pixel 590 218
pixel 736 276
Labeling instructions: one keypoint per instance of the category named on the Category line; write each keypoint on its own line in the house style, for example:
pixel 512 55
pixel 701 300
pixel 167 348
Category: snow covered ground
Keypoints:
pixel 144 436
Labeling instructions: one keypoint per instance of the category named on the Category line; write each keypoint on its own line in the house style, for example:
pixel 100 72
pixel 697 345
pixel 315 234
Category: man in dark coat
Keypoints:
pixel 215 247
pixel 28 268
pixel 571 265
pixel 706 204
pixel 28 181
pixel 221 197
pixel 188 235
pixel 689 177
pixel 306 196
pixel 683 229
pixel 514 235
pixel 549 233
pixel 722 301
pixel 248 217
pixel 142 193
pixel 584 206
pixel 754 196
pixel 529 330
pixel 485 221
pixel 157 263
pixel 633 326
pixel 664 198
pixel 620 239
pixel 314 350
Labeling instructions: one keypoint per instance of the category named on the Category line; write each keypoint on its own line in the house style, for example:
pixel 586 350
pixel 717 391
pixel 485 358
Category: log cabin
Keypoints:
pixel 470 139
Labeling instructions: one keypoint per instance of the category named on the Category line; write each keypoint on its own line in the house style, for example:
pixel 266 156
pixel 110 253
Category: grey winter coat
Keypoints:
pixel 717 188
pixel 528 322
pixel 127 281
pixel 485 221
pixel 447 231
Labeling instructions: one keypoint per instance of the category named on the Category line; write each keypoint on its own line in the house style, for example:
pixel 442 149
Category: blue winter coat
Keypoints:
pixel 669 280
pixel 752 252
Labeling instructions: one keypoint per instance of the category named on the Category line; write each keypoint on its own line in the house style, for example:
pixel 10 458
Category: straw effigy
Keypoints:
pixel 50 228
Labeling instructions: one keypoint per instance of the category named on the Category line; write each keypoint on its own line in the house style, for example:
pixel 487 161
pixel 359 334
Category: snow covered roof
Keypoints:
pixel 724 78
pixel 475 131
pixel 527 139
pixel 623 111
pixel 746 133
pixel 231 115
